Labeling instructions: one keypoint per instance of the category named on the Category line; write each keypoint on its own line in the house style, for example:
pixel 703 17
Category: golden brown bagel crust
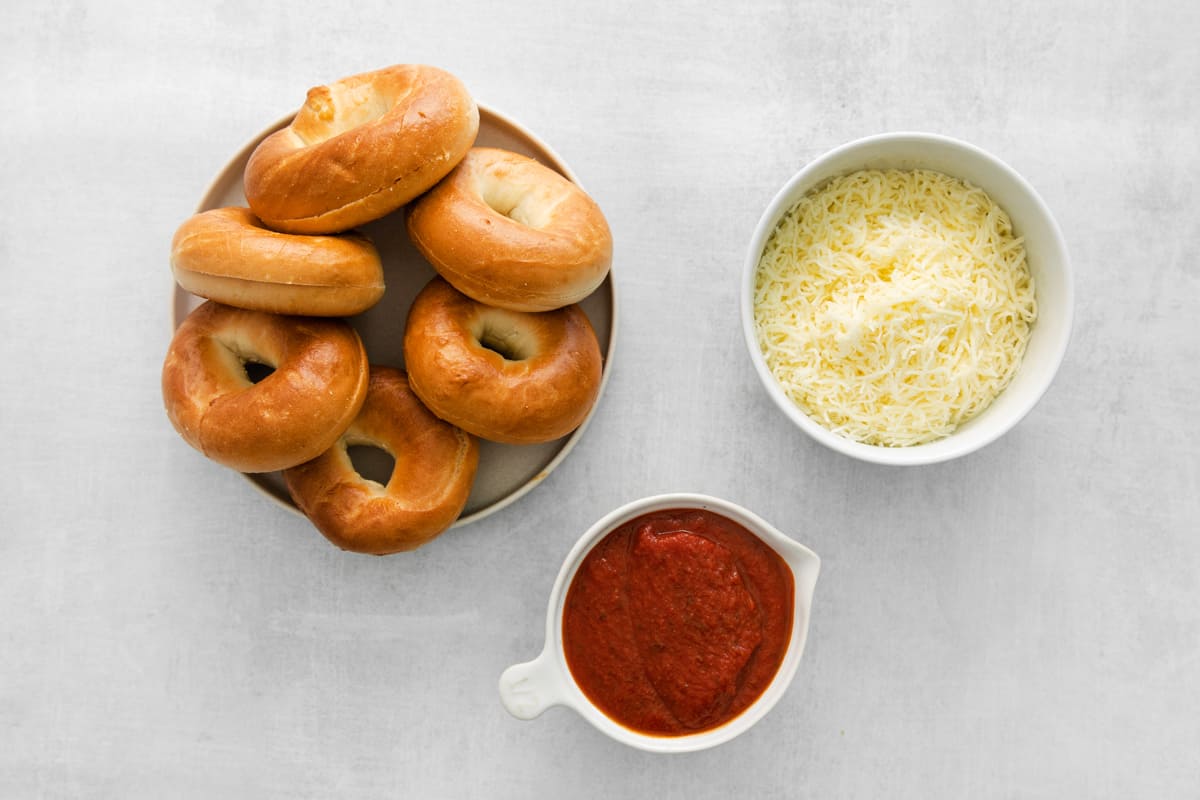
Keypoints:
pixel 287 418
pixel 512 233
pixel 543 390
pixel 360 148
pixel 228 255
pixel 435 465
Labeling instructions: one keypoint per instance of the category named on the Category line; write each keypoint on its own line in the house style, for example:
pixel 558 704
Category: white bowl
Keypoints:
pixel 1048 262
pixel 528 689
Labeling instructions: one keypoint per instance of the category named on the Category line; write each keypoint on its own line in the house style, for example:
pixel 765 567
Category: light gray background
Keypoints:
pixel 1024 622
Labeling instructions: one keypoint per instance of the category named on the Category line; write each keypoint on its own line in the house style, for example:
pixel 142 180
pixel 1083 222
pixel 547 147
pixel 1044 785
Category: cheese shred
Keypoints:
pixel 894 305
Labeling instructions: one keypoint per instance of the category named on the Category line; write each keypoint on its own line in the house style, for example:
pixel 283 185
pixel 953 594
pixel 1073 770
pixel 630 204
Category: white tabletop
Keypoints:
pixel 1023 622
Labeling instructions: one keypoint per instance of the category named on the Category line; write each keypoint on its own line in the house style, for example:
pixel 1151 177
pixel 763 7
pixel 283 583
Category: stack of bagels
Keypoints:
pixel 495 347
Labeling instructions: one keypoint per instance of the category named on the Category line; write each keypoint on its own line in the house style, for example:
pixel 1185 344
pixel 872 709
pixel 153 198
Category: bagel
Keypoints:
pixel 228 255
pixel 360 148
pixel 292 415
pixel 435 465
pixel 507 376
pixel 512 233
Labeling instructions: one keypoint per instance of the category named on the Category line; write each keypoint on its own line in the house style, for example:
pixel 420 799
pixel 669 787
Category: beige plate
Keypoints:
pixel 506 472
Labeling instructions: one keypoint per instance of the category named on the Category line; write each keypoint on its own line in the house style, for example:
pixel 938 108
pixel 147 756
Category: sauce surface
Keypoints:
pixel 677 621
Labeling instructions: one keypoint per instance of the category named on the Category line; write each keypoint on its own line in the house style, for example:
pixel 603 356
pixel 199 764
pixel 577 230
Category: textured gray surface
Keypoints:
pixel 1024 622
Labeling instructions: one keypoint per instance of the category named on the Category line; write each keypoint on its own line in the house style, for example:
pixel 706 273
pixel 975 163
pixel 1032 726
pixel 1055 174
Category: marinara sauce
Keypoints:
pixel 677 621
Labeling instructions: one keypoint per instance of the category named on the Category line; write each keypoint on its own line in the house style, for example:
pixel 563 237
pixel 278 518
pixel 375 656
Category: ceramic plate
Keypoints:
pixel 506 472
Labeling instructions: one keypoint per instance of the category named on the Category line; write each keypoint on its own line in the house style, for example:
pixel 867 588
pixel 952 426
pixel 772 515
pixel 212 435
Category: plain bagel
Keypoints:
pixel 292 415
pixel 360 148
pixel 434 469
pixel 506 376
pixel 228 255
pixel 512 233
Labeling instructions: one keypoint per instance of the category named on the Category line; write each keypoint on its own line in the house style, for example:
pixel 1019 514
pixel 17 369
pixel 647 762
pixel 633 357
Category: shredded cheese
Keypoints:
pixel 894 305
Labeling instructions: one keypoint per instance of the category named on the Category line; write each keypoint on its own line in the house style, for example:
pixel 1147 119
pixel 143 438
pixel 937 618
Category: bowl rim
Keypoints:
pixel 949 447
pixel 803 563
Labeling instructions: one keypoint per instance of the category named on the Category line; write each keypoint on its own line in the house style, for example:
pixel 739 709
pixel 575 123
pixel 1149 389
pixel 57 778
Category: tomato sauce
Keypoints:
pixel 677 621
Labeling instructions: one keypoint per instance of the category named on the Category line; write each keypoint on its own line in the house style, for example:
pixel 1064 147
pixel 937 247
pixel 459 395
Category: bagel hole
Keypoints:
pixel 504 340
pixel 257 371
pixel 512 201
pixel 372 463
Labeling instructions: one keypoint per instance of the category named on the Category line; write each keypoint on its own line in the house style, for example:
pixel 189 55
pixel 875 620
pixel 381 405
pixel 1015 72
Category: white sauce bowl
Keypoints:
pixel 528 689
pixel 1046 253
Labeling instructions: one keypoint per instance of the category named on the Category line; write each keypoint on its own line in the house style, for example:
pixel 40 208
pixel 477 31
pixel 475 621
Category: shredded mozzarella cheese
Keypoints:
pixel 894 305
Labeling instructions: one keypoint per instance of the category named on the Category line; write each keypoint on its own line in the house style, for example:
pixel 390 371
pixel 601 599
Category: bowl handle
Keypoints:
pixel 528 689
